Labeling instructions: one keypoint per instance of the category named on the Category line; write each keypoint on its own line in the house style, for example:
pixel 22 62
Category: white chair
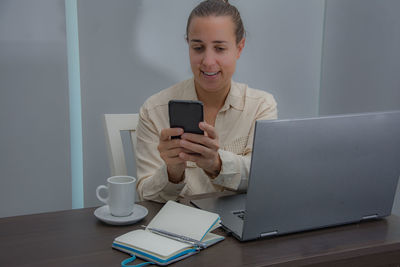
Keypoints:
pixel 114 124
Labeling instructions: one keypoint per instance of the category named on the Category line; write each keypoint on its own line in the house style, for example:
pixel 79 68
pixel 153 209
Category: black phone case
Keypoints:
pixel 186 114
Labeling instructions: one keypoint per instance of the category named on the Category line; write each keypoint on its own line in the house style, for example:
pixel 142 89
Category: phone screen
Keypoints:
pixel 186 114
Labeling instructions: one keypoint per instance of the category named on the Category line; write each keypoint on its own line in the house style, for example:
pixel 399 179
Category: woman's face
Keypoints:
pixel 213 52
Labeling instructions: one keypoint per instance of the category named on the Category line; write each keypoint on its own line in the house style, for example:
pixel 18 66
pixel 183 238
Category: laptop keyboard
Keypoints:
pixel 239 213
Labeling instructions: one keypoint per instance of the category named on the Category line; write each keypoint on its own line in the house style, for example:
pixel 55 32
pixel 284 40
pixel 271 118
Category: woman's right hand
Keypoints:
pixel 169 151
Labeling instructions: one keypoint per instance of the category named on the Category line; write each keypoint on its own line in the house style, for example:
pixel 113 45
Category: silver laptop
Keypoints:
pixel 312 173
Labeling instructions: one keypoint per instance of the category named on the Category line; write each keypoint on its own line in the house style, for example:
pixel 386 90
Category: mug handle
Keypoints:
pixel 105 200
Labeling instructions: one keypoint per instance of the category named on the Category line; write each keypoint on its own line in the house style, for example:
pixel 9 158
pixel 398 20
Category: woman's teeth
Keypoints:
pixel 210 73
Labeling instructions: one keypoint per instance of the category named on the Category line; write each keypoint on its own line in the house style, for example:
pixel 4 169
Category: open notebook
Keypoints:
pixel 176 232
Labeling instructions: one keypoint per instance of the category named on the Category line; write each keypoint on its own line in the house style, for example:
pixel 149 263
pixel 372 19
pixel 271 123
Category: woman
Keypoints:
pixel 220 159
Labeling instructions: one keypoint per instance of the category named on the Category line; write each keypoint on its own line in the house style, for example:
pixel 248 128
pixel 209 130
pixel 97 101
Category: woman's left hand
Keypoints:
pixel 205 149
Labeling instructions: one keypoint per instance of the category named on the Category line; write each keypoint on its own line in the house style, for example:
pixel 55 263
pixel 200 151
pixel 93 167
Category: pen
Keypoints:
pixel 180 238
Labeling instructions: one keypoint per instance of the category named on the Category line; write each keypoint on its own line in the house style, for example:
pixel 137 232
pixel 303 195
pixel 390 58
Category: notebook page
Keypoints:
pixel 211 239
pixel 148 242
pixel 216 225
pixel 184 220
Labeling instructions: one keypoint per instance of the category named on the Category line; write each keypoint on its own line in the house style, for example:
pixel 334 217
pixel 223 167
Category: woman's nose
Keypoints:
pixel 208 58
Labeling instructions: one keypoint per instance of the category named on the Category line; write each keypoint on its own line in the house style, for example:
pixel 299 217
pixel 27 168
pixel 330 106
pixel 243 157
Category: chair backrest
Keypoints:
pixel 114 124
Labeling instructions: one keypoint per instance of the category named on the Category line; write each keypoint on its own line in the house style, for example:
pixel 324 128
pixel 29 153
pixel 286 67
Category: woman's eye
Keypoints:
pixel 197 48
pixel 220 49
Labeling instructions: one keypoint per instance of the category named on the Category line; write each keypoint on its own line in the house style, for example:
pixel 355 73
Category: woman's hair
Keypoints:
pixel 218 8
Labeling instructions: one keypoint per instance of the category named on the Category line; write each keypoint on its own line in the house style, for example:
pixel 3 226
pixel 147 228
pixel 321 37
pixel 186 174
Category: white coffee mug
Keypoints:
pixel 121 195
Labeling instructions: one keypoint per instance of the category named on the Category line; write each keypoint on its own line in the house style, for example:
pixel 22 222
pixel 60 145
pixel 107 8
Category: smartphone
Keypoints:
pixel 186 114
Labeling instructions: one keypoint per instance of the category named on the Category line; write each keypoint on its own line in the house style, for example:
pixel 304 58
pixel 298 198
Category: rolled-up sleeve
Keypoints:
pixel 234 171
pixel 235 168
pixel 153 183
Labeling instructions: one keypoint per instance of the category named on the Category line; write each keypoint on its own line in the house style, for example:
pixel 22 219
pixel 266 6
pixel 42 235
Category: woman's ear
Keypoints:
pixel 240 47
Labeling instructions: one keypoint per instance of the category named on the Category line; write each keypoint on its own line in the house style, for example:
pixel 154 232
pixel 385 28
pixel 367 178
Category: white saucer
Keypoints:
pixel 103 214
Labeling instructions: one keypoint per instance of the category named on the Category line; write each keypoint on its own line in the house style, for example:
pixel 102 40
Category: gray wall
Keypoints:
pixel 361 59
pixel 283 52
pixel 133 49
pixel 34 135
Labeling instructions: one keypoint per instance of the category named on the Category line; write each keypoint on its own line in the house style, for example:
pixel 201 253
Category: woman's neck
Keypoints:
pixel 213 100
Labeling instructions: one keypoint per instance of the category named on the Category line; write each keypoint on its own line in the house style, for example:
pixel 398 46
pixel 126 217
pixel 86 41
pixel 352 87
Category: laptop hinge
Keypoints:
pixel 272 233
pixel 369 217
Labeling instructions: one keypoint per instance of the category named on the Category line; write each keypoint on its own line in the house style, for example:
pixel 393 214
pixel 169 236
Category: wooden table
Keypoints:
pixel 77 238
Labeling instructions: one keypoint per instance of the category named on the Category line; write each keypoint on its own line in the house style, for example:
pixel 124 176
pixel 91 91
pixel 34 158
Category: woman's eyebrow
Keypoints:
pixel 200 41
pixel 219 42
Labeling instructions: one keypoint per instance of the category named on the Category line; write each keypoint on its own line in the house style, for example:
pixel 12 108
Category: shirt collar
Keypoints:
pixel 234 98
pixel 190 92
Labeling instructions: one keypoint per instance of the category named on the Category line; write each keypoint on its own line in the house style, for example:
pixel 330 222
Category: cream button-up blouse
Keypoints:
pixel 235 128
